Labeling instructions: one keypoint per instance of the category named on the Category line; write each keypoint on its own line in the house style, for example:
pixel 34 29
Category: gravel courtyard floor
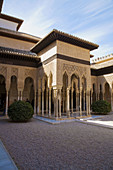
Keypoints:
pixel 68 146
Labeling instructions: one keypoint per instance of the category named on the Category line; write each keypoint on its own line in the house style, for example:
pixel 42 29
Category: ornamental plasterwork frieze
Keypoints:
pixel 73 68
pixel 3 71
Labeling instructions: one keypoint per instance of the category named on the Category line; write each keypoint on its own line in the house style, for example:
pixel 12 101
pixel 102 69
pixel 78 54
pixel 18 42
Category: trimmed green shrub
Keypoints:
pixel 101 107
pixel 20 111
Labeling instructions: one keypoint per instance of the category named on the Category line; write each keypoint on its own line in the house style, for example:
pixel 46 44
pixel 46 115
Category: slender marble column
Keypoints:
pixel 111 101
pixel 7 100
pixel 60 103
pixel 91 97
pixel 80 101
pixel 55 103
pixel 35 102
pixel 18 95
pixel 50 102
pixel 63 101
pixel 77 101
pixel 84 100
pixel 68 102
pixel 88 102
pixel 39 101
pixel 47 101
pixel 21 95
pixel 42 102
pixel 72 100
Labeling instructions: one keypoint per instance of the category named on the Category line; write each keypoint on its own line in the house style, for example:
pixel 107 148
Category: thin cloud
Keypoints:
pixel 90 20
pixel 96 33
pixel 39 22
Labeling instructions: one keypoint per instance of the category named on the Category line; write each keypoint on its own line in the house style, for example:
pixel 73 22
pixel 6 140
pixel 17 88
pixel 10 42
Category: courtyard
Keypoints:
pixel 39 145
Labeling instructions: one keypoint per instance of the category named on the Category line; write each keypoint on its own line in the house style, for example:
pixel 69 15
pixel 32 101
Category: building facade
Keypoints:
pixel 54 73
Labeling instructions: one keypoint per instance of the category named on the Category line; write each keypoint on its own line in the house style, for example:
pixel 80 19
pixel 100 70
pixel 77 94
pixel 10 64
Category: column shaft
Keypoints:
pixel 7 99
pixel 59 102
pixel 84 101
pixel 71 100
pixel 21 95
pixel 55 103
pixel 63 101
pixel 18 95
pixel 39 101
pixel 77 101
pixel 42 102
pixel 88 102
pixel 80 102
pixel 49 101
pixel 111 101
pixel 34 102
pixel 68 102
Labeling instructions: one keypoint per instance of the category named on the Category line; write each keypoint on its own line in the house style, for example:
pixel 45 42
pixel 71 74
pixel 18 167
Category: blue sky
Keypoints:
pixel 91 20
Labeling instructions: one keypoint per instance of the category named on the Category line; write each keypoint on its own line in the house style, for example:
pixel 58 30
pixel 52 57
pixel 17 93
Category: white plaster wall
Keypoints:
pixel 48 52
pixel 103 64
pixel 8 24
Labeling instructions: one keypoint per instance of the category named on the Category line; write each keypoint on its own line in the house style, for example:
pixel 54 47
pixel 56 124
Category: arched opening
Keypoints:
pixel 28 92
pixel 83 93
pixel 64 92
pixel 75 95
pixel 100 94
pixel 107 95
pixel 2 94
pixel 46 95
pixel 52 95
pixel 94 93
pixel 13 92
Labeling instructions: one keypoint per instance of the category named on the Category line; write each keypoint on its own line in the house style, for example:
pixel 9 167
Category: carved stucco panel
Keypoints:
pixel 14 71
pixel 30 73
pixel 80 71
pixel 3 71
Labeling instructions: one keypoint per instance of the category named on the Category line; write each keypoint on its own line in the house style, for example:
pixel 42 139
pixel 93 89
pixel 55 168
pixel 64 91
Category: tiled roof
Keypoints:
pixel 13 51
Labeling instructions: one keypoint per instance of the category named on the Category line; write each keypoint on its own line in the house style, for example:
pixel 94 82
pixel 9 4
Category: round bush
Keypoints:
pixel 101 107
pixel 20 111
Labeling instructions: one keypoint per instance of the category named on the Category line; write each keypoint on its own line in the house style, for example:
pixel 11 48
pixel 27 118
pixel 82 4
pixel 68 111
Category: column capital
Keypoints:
pixel 88 92
pixel 68 88
pixel 20 89
pixel 81 88
pixel 55 92
pixel 43 89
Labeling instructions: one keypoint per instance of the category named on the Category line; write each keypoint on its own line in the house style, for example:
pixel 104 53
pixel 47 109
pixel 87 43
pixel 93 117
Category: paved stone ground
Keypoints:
pixel 108 118
pixel 37 145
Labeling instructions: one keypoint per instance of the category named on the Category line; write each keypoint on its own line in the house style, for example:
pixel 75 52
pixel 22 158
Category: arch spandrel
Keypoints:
pixel 3 71
pixel 50 79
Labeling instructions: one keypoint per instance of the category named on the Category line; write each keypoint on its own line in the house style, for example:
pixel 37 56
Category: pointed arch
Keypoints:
pixel 64 92
pixel 107 95
pixel 28 92
pixel 83 83
pixel 13 92
pixel 94 92
pixel 100 92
